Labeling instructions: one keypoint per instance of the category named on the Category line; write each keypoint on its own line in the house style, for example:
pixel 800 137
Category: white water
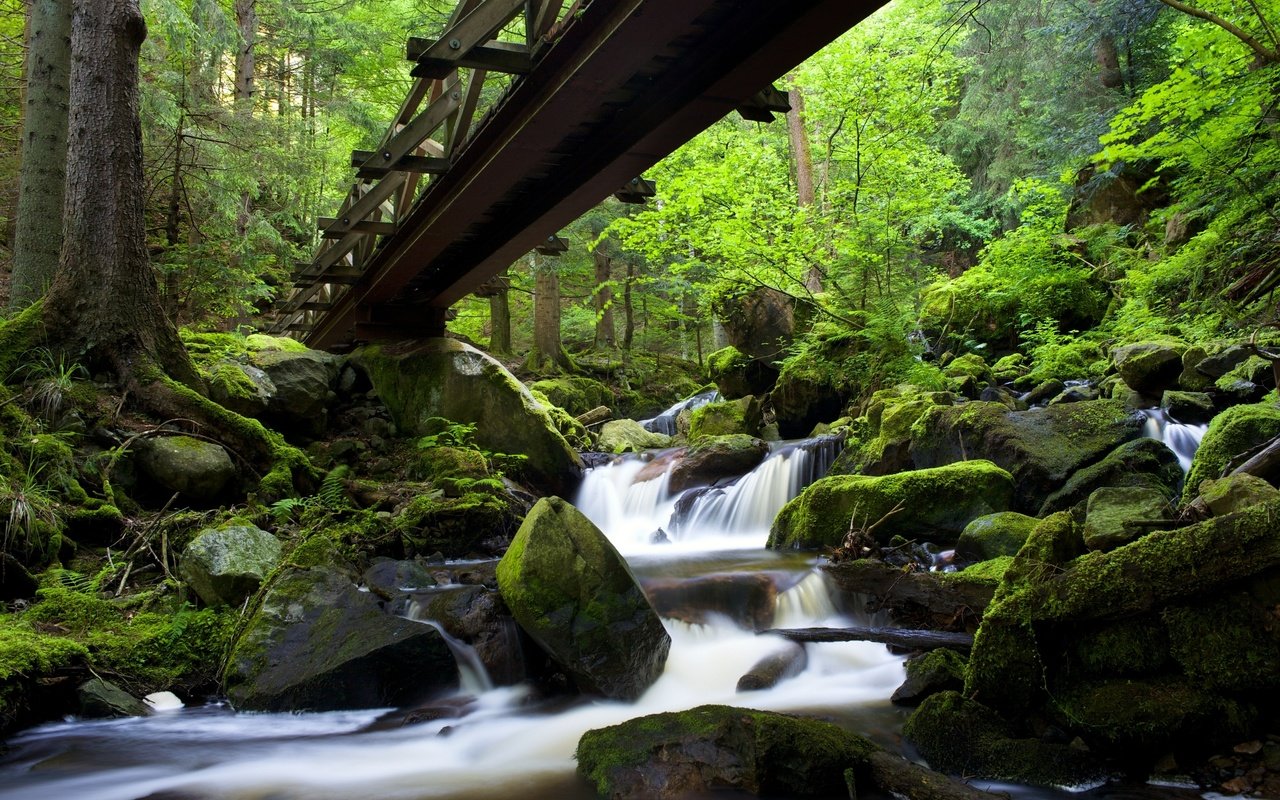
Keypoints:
pixel 666 421
pixel 1182 438
pixel 496 742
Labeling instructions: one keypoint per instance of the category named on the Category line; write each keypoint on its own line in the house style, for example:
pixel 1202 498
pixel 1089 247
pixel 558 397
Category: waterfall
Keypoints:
pixel 666 421
pixel 1182 438
pixel 473 678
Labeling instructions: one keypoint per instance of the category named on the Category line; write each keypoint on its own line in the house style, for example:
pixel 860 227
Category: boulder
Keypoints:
pixel 881 441
pixel 1076 394
pixel 629 436
pixel 101 699
pixel 318 643
pixel 808 392
pixel 741 416
pixel 227 564
pixel 1188 407
pixel 390 579
pixel 736 374
pixel 476 615
pixel 995 535
pixel 1249 381
pixel 1236 493
pixel 576 394
pixel 712 458
pixel 1192 379
pixel 1218 364
pixel 303 381
pixel 1009 368
pixel 760 323
pixel 201 472
pixel 969 365
pixel 242 388
pixel 935 503
pixel 936 671
pixel 1041 448
pixel 1117 516
pixel 576 597
pixel 1044 392
pixel 1149 367
pixel 1141 462
pixel 1233 432
pixel 718 748
pixel 749 599
pixel 449 379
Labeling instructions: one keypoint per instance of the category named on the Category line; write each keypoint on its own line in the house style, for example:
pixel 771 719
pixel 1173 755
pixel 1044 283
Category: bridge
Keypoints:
pixel 506 137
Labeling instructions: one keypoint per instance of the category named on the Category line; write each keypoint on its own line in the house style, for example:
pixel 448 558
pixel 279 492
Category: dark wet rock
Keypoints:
pixel 1218 364
pixel 303 381
pixel 103 699
pixel 576 597
pixel 775 668
pixel 242 388
pixel 1044 392
pixel 736 374
pixel 760 323
pixel 1139 463
pixel 1149 367
pixel 713 458
pixel 201 472
pixel 1188 407
pixel 226 565
pixel 388 578
pixel 1006 398
pixel 476 615
pixel 936 671
pixel 747 598
pixel 16 582
pixel 1076 394
pixel 937 598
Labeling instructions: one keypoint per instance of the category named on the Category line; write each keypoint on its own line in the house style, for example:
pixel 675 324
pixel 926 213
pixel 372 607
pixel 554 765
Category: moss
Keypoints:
pixel 1128 647
pixel 574 432
pixel 456 526
pixel 262 341
pixel 726 360
pixel 1230 433
pixel 1228 645
pixel 969 365
pixel 26 656
pixel 989 572
pixel 1000 534
pixel 576 394
pixel 724 418
pixel 445 466
pixel 228 380
pixel 1148 716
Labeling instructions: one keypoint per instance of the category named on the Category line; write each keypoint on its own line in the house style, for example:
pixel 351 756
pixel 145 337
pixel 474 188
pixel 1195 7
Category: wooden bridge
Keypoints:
pixel 596 93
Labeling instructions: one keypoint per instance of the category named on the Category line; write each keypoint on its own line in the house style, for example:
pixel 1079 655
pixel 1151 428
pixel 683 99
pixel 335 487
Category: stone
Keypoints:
pixel 576 597
pixel 576 394
pixel 318 643
pixel 629 436
pixel 808 391
pixel 16 583
pixel 737 375
pixel 1112 512
pixel 1141 462
pixel 1218 364
pixel 937 503
pixel 929 673
pixel 477 616
pixel 103 699
pixel 712 458
pixel 774 668
pixel 760 323
pixel 741 416
pixel 389 578
pixel 716 748
pixel 303 381
pixel 880 442
pixel 1236 493
pixel 1149 367
pixel 1231 433
pixel 201 472
pixel 1188 407
pixel 226 565
pixel 242 388
pixel 447 378
pixel 1076 394
pixel 995 535
pixel 1192 379
pixel 748 599
pixel 1248 381
pixel 969 365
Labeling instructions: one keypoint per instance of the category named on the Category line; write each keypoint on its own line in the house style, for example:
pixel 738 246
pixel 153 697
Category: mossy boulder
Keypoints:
pixel 1148 716
pixel 629 436
pixel 315 642
pixel 1041 448
pixel 1116 516
pixel 969 365
pixel 451 468
pixel 1248 381
pixel 102 699
pixel 1140 463
pixel 929 673
pixel 725 418
pixel 576 394
pixel 449 379
pixel 1188 407
pixel 1228 644
pixel 937 503
pixel 712 458
pixel 718 748
pixel 200 472
pixel 576 597
pixel 809 390
pixel 1234 431
pixel 1149 367
pixel 1236 493
pixel 995 535
pixel 303 381
pixel 478 522
pixel 882 445
pixel 227 564
pixel 242 388
pixel 737 375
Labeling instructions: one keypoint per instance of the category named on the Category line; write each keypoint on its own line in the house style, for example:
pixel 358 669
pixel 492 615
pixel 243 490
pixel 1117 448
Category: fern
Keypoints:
pixel 333 490
pixel 283 510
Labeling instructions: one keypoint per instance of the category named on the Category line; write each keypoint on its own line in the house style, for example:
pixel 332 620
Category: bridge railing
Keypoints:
pixel 432 126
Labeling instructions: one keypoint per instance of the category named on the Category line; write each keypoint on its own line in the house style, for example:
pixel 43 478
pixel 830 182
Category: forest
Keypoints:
pixel 923 441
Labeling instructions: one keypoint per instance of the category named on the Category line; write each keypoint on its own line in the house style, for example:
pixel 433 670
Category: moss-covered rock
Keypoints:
pixel 717 748
pixel 927 674
pixel 1188 407
pixel 1130 647
pixel 882 444
pixel 451 468
pixel 711 458
pixel 570 590
pixel 226 565
pixel 1117 516
pixel 742 416
pixel 446 378
pixel 1248 381
pixel 476 522
pixel 1231 433
pixel 1235 493
pixel 199 471
pixel 995 535
pixel 737 375
pixel 969 365
pixel 629 436
pixel 1228 644
pixel 1140 463
pixel 102 699
pixel 937 502
pixel 1149 367
pixel 809 390
pixel 576 394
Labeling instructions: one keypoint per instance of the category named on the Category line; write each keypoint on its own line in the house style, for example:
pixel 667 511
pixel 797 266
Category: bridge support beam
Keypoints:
pixel 398 322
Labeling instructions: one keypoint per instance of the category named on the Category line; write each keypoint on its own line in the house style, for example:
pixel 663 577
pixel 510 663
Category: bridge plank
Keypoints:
pixel 508 57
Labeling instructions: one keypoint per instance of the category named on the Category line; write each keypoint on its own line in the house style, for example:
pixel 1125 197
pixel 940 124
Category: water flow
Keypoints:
pixel 665 422
pixel 1183 439
pixel 473 678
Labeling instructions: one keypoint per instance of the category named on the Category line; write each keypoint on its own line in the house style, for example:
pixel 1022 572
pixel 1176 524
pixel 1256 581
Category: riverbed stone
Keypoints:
pixel 995 535
pixel 101 698
pixel 1142 462
pixel 1233 432
pixel 1236 493
pixel 936 671
pixel 446 378
pixel 201 472
pixel 1149 367
pixel 712 458
pixel 629 436
pixel 1188 407
pixel 226 565
pixel 316 642
pixel 1113 510
pixel 576 597
pixel 937 503
pixel 729 417
pixel 303 381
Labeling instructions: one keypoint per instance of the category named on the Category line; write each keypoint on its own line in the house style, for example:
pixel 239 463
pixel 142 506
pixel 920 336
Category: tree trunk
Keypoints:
pixel 548 351
pixel 1108 60
pixel 500 319
pixel 803 162
pixel 38 233
pixel 103 303
pixel 605 338
pixel 245 89
pixel 628 311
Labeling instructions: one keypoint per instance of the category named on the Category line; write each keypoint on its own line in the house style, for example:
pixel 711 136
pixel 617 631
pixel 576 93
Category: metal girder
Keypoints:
pixel 476 28
pixel 553 246
pixel 422 165
pixel 508 57
pixel 764 104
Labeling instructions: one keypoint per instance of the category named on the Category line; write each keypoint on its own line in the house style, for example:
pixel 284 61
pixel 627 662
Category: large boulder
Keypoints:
pixel 1041 448
pixel 994 535
pixel 737 374
pixel 1233 432
pixel 575 595
pixel 714 457
pixel 741 416
pixel 201 472
pixel 1235 493
pixel 1141 462
pixel 303 381
pixel 1116 516
pixel 805 395
pixel 447 378
pixel 316 642
pixel 225 565
pixel 760 323
pixel 629 436
pixel 1149 367
pixel 936 503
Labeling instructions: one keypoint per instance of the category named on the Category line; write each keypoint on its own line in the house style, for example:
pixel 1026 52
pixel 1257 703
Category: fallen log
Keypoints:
pixel 775 668
pixel 905 638
pixel 595 416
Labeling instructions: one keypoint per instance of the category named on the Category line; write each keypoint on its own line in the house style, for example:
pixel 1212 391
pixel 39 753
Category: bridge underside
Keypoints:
pixel 624 84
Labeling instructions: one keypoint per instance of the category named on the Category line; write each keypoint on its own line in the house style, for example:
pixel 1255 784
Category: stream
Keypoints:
pixel 702 560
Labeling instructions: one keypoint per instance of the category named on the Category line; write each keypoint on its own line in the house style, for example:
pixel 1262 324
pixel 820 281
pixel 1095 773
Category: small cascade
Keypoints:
pixel 473 678
pixel 808 600
pixel 1183 439
pixel 665 422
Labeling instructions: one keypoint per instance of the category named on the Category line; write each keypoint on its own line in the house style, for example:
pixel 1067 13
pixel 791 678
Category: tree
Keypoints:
pixel 548 351
pixel 38 234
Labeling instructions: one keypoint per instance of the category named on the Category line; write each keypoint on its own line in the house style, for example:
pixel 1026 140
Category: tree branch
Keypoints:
pixel 1265 55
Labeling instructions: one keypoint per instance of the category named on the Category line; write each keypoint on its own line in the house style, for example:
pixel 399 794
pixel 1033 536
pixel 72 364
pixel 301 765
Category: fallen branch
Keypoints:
pixel 904 638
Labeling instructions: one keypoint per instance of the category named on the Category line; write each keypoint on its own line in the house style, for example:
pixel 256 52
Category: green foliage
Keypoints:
pixel 446 433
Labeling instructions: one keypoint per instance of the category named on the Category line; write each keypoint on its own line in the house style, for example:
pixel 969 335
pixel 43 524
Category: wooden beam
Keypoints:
pixel 508 57
pixel 366 205
pixel 475 29
pixel 636 191
pixel 764 104
pixel 362 159
pixel 316 306
pixel 411 136
pixel 364 226
pixel 553 246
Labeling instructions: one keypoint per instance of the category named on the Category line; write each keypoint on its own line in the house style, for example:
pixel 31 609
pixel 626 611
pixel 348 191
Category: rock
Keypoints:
pixel 742 416
pixel 1076 394
pixel 1142 718
pixel 969 365
pixel 389 579
pixel 449 379
pixel 712 458
pixel 1192 379
pixel 629 436
pixel 318 643
pixel 1188 407
pixel 1149 367
pixel 1218 364
pixel 303 381
pixel 737 375
pixel 1044 392
pixel 1006 398
pixel 937 502
pixel 942 597
pixel 749 599
pixel 809 392
pixel 995 535
pixel 692 753
pixel 1009 368
pixel 576 597
pixel 576 394
pixel 775 668
pixel 1141 462
pixel 1040 448
pixel 1236 493
pixel 242 388
pixel 197 470
pixel 1227 645
pixel 103 699
pixel 1248 381
pixel 452 469
pixel 225 565
pixel 883 446
pixel 16 583
pixel 760 323
pixel 1233 432
pixel 476 615
pixel 936 671
pixel 1112 510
